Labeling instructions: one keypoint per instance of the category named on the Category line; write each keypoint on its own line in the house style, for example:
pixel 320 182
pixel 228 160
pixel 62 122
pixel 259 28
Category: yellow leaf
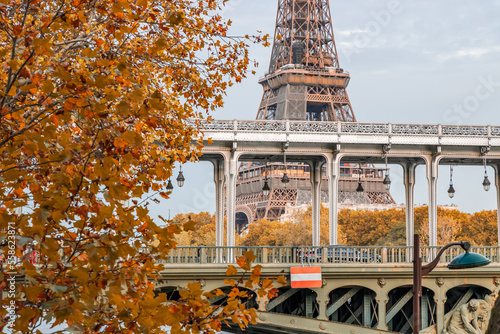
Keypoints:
pixel 189 226
pixel 231 270
pixel 229 282
pixel 132 137
pixel 120 143
pixel 123 108
pixel 12 91
pixel 15 64
pixel 272 293
pixel 250 255
pixel 243 263
pixel 101 81
pixel 47 87
pixel 32 292
pixel 267 283
pixel 282 280
pixel 80 275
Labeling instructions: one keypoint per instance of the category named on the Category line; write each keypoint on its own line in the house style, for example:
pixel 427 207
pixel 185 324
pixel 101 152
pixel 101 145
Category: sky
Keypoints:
pixel 426 62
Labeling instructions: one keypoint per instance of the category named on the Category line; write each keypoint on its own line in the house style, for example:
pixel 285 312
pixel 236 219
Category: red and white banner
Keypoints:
pixel 305 277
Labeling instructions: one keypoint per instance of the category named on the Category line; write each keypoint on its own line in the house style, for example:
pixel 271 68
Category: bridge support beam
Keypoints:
pixel 231 172
pixel 322 299
pixel 409 183
pixel 432 165
pixel 333 170
pixel 382 311
pixel 316 170
pixel 440 300
pixel 219 201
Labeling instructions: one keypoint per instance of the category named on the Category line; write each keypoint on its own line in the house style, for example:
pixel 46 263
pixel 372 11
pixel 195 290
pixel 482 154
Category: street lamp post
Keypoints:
pixel 462 261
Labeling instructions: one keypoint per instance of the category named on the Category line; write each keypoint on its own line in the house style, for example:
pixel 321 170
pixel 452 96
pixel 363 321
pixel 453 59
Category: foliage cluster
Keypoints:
pixel 94 98
pixel 363 228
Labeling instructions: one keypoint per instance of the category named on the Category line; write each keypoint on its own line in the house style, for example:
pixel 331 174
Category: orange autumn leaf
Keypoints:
pixel 231 270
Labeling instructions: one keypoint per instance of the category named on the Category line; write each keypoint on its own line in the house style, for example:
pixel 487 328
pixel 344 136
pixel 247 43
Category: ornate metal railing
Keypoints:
pixel 355 255
pixel 347 127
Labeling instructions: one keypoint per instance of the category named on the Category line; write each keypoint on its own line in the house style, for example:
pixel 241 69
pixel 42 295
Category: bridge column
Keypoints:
pixel 432 178
pixel 316 171
pixel 409 183
pixel 322 299
pixel 219 201
pixel 440 301
pixel 382 299
pixel 219 205
pixel 231 174
pixel 333 170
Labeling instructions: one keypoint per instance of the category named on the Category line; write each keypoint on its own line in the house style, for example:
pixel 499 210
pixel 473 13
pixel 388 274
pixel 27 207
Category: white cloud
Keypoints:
pixel 473 52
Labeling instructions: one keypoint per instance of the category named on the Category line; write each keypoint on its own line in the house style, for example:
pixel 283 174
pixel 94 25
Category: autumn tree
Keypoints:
pixel 449 224
pixel 297 231
pixel 370 228
pixel 365 227
pixel 94 102
pixel 396 236
pixel 204 233
pixel 481 229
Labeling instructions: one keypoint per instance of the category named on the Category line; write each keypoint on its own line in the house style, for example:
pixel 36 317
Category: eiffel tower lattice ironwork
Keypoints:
pixel 304 83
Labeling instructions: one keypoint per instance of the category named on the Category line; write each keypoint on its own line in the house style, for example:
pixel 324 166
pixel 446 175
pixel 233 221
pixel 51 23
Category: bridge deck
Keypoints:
pixel 367 297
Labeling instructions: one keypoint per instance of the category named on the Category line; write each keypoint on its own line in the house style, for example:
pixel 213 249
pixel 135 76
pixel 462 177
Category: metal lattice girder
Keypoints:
pixel 309 305
pixel 341 301
pixel 216 299
pixel 354 318
pixel 464 299
pixel 304 46
pixel 398 306
pixel 367 308
pixel 424 311
pixel 306 35
pixel 408 325
pixel 281 298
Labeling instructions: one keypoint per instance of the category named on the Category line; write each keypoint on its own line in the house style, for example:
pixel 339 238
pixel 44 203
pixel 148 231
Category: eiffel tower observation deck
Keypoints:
pixel 304 83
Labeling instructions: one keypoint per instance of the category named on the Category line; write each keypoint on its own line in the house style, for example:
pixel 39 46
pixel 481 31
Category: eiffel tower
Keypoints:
pixel 306 83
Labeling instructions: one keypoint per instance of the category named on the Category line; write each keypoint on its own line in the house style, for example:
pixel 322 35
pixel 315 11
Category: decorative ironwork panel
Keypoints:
pixel 465 130
pixel 313 127
pixel 495 131
pixel 213 125
pixel 415 129
pixel 261 126
pixel 364 128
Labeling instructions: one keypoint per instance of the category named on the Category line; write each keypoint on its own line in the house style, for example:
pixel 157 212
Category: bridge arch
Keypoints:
pixel 354 305
pixel 243 218
pixel 460 295
pixel 298 302
pixel 399 309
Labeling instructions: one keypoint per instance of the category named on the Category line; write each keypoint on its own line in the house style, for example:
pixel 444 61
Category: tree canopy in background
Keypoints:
pixel 356 228
pixel 94 101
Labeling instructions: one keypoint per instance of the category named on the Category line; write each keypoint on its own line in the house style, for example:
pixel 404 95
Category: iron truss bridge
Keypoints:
pixel 364 290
